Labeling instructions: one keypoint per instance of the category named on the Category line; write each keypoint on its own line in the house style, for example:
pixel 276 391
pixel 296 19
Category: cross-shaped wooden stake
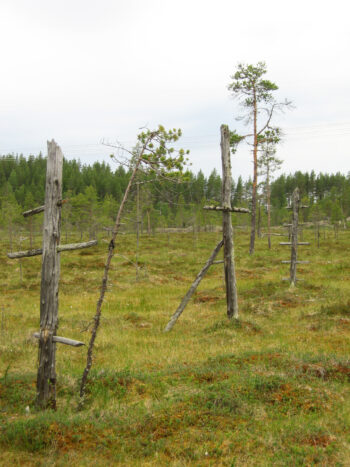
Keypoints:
pixel 294 238
pixel 227 241
pixel 50 273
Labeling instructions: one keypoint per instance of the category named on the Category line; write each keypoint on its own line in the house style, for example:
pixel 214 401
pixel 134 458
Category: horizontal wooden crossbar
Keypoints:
pixel 290 225
pixel 62 340
pixel 31 212
pixel 274 234
pixel 39 251
pixel 288 279
pixel 76 246
pixel 299 243
pixel 299 262
pixel 301 207
pixel 222 208
pixel 40 209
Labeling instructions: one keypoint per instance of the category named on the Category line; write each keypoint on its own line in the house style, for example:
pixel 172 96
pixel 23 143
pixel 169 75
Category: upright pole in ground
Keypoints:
pixel 50 273
pixel 229 264
pixel 137 228
pixel 294 239
pixel 227 241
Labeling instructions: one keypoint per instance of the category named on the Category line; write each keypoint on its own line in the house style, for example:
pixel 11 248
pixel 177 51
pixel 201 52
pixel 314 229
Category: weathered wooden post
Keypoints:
pixel 229 262
pixel 227 242
pixel 294 238
pixel 50 273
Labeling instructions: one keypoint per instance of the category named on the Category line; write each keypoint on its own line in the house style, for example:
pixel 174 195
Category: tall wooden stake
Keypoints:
pixel 229 264
pixel 50 272
pixel 138 222
pixel 294 239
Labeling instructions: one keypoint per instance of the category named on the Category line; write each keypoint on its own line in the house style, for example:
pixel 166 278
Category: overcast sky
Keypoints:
pixel 83 71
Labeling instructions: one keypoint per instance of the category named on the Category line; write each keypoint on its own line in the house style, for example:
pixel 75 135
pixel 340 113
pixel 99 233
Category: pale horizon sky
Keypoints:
pixel 86 71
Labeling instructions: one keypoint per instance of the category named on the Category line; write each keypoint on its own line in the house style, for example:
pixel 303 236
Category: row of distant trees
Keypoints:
pixel 94 192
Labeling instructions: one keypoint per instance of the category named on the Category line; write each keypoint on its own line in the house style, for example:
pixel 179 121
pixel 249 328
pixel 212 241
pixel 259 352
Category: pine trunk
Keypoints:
pixel 255 178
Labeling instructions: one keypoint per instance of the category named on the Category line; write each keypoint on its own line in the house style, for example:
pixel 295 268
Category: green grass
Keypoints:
pixel 269 389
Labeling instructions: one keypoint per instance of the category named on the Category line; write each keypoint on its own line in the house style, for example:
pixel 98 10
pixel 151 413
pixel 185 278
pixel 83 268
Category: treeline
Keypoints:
pixel 95 191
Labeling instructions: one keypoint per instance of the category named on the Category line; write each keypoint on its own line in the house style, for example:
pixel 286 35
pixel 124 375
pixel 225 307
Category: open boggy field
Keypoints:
pixel 271 388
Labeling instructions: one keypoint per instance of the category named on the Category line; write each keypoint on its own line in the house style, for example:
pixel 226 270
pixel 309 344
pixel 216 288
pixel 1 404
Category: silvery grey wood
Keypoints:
pixel 193 287
pixel 274 234
pixel 40 209
pixel 34 211
pixel 230 275
pixel 226 208
pixel 288 279
pixel 25 254
pixel 290 243
pixel 50 273
pixel 294 237
pixel 60 248
pixel 62 340
pixel 298 262
pixel 76 246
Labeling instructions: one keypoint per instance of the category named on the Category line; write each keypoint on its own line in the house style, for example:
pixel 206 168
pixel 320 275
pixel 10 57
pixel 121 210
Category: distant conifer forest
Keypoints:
pixel 94 192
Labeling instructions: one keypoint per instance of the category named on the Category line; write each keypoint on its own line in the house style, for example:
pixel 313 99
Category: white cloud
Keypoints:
pixel 80 71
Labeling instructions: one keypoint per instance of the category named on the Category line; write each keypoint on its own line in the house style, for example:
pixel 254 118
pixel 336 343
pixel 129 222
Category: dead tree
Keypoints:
pixel 50 274
pixel 152 152
pixel 227 242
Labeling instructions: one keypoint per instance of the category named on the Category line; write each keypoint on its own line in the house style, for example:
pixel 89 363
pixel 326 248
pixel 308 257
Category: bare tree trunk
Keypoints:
pixel 137 228
pixel 148 223
pixel 268 208
pixel 46 379
pixel 230 275
pixel 259 219
pixel 10 235
pixel 31 232
pixel 255 179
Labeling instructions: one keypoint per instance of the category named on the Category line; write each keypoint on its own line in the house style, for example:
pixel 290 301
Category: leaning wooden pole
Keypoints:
pixel 50 272
pixel 294 239
pixel 193 287
pixel 103 289
pixel 229 264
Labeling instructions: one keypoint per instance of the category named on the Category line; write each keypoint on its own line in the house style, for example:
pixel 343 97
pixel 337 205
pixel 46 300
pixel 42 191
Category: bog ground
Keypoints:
pixel 269 389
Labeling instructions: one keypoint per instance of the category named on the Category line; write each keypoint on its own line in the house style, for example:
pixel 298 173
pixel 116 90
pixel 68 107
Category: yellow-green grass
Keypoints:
pixel 270 389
